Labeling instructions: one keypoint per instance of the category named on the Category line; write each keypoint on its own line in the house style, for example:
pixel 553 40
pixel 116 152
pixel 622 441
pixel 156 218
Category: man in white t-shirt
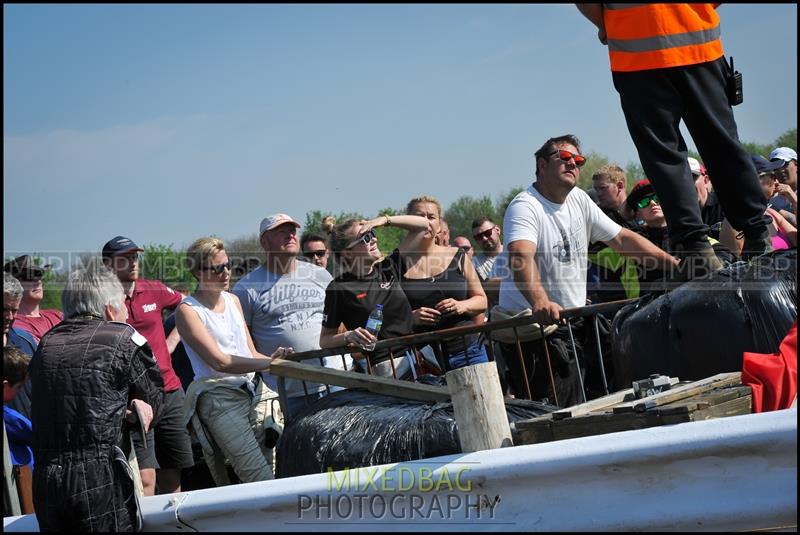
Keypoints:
pixel 283 301
pixel 547 231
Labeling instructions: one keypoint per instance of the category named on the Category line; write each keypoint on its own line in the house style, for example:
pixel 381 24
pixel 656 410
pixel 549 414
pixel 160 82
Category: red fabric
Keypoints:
pixel 37 326
pixel 149 298
pixel 773 378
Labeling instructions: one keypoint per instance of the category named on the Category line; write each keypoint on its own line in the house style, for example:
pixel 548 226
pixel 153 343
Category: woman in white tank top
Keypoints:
pixel 229 398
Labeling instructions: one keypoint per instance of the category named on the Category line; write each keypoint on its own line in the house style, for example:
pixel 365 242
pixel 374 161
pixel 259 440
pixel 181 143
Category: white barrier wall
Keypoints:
pixel 736 473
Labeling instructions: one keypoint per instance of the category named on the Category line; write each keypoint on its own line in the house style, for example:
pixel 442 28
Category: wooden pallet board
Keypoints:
pixel 715 397
pixel 378 385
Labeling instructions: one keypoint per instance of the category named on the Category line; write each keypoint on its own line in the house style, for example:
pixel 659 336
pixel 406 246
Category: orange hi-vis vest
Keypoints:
pixel 656 36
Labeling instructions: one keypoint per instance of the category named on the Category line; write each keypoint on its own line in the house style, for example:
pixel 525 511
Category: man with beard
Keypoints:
pixel 548 228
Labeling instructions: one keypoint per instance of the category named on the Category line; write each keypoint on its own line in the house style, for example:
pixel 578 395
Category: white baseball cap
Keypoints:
pixel 695 166
pixel 274 220
pixel 783 153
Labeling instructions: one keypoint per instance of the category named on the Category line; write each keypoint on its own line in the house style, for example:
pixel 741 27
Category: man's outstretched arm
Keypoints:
pixel 594 12
pixel 640 249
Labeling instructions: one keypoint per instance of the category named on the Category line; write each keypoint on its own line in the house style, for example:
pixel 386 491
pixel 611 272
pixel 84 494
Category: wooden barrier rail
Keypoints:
pixel 379 385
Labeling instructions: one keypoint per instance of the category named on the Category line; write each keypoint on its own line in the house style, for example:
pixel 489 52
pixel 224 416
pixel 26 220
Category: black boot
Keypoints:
pixel 696 263
pixel 754 247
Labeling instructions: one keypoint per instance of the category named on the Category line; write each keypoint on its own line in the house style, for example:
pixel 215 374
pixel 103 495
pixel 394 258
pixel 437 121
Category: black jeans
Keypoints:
pixel 654 101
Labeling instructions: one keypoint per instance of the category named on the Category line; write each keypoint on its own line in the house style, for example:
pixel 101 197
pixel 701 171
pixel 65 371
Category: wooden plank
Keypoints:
pixel 600 424
pixel 533 422
pixel 378 385
pixel 594 405
pixel 681 392
pixel 732 407
pixel 718 403
pixel 705 400
pixel 600 404
pixel 578 410
pixel 536 434
pixel 479 408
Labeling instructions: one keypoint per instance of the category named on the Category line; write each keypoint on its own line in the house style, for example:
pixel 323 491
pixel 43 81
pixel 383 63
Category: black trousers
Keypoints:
pixel 534 368
pixel 654 102
pixel 83 493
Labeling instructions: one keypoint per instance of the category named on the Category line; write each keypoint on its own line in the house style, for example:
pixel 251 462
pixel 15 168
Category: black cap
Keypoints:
pixel 23 268
pixel 119 245
pixel 642 189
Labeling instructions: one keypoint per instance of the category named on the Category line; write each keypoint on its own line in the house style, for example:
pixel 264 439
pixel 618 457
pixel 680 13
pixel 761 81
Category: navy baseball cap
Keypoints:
pixel 765 166
pixel 119 245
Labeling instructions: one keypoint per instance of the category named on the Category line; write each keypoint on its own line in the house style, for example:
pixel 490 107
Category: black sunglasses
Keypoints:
pixel 485 234
pixel 315 254
pixel 30 278
pixel 219 268
pixel 367 237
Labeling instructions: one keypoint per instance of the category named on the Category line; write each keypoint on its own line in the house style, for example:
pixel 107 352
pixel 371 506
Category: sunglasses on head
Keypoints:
pixel 219 268
pixel 315 254
pixel 565 156
pixel 485 234
pixel 646 201
pixel 366 238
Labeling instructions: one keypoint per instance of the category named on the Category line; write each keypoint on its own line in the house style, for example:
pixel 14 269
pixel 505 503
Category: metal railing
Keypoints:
pixel 401 344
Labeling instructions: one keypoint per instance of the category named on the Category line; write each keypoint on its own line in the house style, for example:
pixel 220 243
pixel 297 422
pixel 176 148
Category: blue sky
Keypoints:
pixel 165 123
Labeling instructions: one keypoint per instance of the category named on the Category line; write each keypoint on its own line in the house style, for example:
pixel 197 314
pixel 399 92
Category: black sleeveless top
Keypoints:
pixel 450 283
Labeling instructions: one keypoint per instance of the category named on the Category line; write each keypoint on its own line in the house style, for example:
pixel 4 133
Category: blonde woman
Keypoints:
pixel 443 289
pixel 227 404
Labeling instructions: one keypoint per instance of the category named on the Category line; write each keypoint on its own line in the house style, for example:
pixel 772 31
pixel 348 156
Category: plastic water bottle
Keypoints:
pixel 374 325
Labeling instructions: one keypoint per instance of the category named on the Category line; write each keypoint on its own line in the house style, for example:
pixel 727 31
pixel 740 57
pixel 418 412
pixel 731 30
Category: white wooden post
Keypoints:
pixel 479 407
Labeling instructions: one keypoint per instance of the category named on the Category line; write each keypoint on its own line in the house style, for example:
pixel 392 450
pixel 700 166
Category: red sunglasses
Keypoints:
pixel 565 156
